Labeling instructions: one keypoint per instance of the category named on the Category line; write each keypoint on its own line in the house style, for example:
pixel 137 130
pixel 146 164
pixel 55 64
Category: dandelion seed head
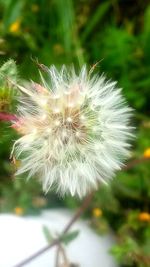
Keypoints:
pixel 56 110
pixel 75 131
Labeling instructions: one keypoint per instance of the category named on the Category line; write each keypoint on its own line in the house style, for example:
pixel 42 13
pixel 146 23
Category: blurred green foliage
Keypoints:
pixel 116 34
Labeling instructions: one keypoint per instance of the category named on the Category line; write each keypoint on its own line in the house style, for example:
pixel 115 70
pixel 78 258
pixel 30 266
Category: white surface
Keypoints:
pixel 20 237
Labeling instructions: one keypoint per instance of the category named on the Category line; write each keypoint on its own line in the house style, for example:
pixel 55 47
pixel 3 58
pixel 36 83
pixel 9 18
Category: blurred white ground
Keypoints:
pixel 20 237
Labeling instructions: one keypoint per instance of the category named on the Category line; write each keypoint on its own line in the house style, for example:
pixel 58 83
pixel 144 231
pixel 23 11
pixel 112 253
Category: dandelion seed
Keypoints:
pixel 70 105
pixel 57 123
pixel 72 148
pixel 77 134
pixel 34 131
pixel 43 102
pixel 82 117
pixel 56 110
pixel 69 119
pixel 43 117
pixel 49 130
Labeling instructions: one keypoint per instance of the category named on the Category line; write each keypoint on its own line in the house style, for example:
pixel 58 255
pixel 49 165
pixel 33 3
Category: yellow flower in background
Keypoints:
pixel 97 212
pixel 144 217
pixel 18 211
pixel 147 153
pixel 58 49
pixel 15 27
pixel 35 8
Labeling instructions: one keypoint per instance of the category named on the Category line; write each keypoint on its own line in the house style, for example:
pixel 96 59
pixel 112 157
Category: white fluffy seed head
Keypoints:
pixel 75 131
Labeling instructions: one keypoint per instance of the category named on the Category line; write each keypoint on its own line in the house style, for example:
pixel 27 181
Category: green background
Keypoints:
pixel 116 35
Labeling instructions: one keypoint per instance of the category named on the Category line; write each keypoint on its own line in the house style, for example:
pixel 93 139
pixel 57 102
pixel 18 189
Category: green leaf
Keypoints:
pixel 9 69
pixel 47 234
pixel 12 12
pixel 123 251
pixel 97 17
pixel 66 22
pixel 146 34
pixel 68 237
pixel 146 29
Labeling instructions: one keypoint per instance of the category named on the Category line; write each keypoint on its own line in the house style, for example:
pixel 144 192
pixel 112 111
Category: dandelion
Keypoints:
pixel 75 130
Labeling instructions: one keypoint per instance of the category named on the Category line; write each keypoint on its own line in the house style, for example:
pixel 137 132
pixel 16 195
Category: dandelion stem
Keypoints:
pixel 77 214
pixel 57 256
pixel 61 252
pixel 134 162
pixel 82 208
